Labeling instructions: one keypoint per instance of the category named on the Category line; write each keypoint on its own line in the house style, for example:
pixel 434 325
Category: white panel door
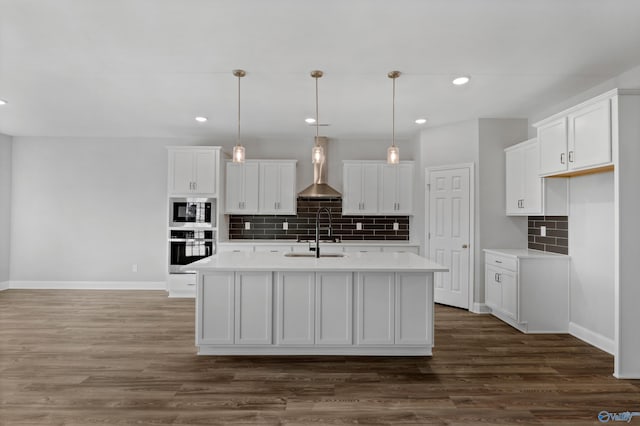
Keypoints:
pixel 251 187
pixel 334 295
pixel 590 136
pixel 369 189
pixel 352 188
pixel 531 181
pixel 253 308
pixel 296 308
pixel 375 308
pixel 287 199
pixel 389 188
pixel 205 172
pixel 216 304
pixel 552 138
pixel 181 163
pixel 234 188
pixel 414 302
pixel 514 163
pixel 269 188
pixel 405 189
pixel 449 234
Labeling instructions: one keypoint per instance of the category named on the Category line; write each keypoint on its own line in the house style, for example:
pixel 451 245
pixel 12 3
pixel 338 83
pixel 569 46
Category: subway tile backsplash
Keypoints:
pixel 269 227
pixel 557 238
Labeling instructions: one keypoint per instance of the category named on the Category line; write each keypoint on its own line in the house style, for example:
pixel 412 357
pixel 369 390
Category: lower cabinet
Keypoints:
pixel 334 308
pixel 376 308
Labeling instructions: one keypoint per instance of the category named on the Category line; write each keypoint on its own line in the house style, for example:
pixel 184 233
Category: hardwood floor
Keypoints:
pixel 128 357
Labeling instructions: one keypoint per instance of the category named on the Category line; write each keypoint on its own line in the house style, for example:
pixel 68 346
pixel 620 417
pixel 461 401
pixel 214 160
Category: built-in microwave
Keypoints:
pixel 189 245
pixel 192 212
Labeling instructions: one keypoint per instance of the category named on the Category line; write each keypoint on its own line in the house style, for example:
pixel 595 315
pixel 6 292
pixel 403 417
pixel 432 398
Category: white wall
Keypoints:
pixel 5 206
pixel 591 239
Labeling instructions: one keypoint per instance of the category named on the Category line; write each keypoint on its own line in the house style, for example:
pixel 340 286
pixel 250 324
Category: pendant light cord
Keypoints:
pixel 238 140
pixel 317 117
pixel 393 115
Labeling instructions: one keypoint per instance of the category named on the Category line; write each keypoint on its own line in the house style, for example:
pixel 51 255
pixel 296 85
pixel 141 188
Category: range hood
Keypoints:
pixel 319 188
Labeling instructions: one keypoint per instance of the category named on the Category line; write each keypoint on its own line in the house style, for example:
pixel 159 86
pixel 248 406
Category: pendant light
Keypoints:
pixel 317 153
pixel 238 150
pixel 393 153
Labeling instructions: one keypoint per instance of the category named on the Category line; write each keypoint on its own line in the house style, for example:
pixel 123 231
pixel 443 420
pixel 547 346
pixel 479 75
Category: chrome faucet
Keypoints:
pixel 320 210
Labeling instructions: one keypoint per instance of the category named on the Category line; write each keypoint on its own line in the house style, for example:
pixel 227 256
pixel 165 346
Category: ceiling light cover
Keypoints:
pixel 310 120
pixel 238 150
pixel 3 102
pixel 201 119
pixel 459 81
pixel 421 120
pixel 393 153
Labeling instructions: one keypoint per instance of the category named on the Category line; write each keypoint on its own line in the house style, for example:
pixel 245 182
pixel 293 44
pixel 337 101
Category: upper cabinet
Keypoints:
pixel 241 192
pixel 526 192
pixel 377 188
pixel 278 187
pixel 579 139
pixel 261 187
pixel 193 170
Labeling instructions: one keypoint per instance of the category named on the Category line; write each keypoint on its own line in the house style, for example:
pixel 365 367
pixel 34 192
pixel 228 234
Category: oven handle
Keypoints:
pixel 190 240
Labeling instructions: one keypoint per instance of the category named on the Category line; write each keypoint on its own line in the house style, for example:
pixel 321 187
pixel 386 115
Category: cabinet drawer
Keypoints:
pixel 510 263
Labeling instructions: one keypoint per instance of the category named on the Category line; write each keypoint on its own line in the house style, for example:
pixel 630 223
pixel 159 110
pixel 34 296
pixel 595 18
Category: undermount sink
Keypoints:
pixel 290 254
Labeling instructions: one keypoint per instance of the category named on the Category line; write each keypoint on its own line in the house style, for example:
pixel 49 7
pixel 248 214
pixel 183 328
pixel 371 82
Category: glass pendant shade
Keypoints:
pixel 317 155
pixel 393 155
pixel 238 154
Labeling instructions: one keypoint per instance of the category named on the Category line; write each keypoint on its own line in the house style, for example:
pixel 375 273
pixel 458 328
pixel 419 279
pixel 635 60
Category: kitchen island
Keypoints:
pixel 263 303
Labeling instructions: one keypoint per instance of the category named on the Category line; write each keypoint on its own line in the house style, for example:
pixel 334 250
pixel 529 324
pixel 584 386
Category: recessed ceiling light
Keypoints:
pixel 310 120
pixel 421 120
pixel 3 102
pixel 201 119
pixel 459 81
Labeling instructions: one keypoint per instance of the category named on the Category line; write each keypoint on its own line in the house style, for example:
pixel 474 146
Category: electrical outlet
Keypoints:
pixel 285 225
pixel 543 231
pixel 359 226
pixel 396 226
pixel 247 225
pixel 134 267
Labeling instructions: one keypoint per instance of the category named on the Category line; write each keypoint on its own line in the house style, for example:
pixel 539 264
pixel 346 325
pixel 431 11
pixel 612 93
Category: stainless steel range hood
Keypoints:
pixel 319 188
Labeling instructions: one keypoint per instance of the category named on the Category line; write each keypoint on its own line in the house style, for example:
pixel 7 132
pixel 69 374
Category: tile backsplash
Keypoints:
pixel 303 224
pixel 557 238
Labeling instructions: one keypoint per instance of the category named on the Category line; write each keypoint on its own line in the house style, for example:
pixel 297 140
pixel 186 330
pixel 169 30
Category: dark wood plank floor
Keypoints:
pixel 128 357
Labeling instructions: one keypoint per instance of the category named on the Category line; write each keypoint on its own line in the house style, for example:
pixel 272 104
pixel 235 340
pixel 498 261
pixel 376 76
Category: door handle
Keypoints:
pixel 571 156
pixel 464 246
pixel 562 158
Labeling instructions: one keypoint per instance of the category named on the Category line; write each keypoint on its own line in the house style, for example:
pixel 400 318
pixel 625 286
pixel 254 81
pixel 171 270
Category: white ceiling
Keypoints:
pixel 148 67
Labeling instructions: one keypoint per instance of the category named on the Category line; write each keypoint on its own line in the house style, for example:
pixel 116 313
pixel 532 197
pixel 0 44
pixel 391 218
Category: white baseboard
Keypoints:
pixel 4 285
pixel 596 339
pixel 88 285
pixel 480 308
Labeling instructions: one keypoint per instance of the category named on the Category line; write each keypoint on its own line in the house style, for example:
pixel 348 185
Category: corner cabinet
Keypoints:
pixel 277 187
pixel 528 290
pixel 193 170
pixel 526 192
pixel 377 188
pixel 579 140
pixel 241 189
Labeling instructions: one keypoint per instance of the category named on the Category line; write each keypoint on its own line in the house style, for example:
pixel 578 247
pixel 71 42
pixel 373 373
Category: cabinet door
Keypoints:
pixel 531 181
pixel 334 295
pixel 287 201
pixel 205 172
pixel 251 188
pixel 389 188
pixel 552 138
pixel 493 290
pixel 253 308
pixel 269 188
pixel 508 285
pixel 216 306
pixel 180 172
pixel 352 189
pixel 375 308
pixel 234 188
pixel 369 189
pixel 405 189
pixel 414 303
pixel 514 161
pixel 296 308
pixel 590 136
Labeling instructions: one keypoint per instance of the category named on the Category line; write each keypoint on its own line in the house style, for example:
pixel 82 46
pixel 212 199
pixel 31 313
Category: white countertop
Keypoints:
pixel 267 261
pixel 525 253
pixel 346 242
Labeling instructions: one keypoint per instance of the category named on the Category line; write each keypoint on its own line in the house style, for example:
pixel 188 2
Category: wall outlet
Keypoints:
pixel 134 267
pixel 396 226
pixel 359 226
pixel 285 225
pixel 247 225
pixel 543 231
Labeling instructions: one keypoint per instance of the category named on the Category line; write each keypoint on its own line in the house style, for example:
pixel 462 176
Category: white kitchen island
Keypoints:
pixel 263 303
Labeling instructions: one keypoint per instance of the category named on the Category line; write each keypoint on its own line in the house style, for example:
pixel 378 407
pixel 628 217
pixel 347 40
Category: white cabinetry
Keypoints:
pixel 396 189
pixel 334 308
pixel 377 188
pixel 578 139
pixel 360 188
pixel 526 192
pixel 528 290
pixel 375 305
pixel 193 170
pixel 216 309
pixel 241 194
pixel 278 187
pixel 253 308
pixel 296 308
